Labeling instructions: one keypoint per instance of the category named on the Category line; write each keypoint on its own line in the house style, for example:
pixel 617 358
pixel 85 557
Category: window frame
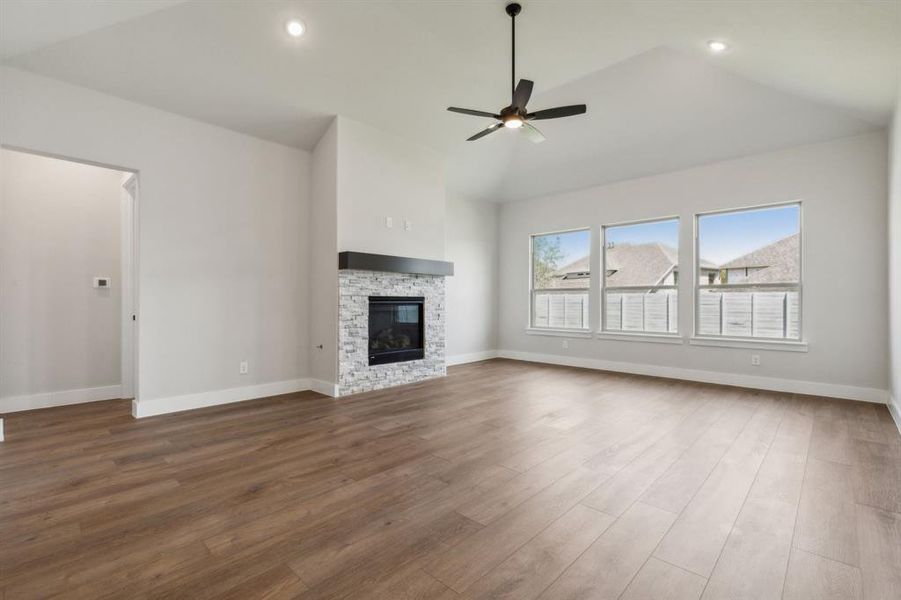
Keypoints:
pixel 738 340
pixel 603 330
pixel 530 326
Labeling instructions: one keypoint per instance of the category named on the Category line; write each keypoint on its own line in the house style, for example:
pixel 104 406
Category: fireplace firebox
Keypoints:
pixel 396 329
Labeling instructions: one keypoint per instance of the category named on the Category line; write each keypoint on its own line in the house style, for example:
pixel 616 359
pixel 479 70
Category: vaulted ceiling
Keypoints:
pixel 796 72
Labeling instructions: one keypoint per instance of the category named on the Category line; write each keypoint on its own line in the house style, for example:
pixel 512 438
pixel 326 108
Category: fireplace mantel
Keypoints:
pixel 363 261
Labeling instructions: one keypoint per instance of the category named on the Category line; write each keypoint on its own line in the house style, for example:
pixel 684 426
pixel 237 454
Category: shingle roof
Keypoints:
pixel 634 265
pixel 639 264
pixel 780 258
pixel 580 265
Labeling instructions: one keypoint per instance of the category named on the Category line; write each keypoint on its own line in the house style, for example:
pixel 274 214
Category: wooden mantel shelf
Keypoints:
pixel 393 264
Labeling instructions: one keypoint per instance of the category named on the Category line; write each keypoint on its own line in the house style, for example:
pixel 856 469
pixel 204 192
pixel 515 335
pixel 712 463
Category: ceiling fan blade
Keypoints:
pixel 531 132
pixel 522 93
pixel 485 132
pixel 556 113
pixel 475 113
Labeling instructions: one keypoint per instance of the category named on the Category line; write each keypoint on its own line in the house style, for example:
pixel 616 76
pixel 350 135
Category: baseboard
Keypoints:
pixel 895 411
pixel 171 404
pixel 774 384
pixel 326 388
pixel 62 398
pixel 462 359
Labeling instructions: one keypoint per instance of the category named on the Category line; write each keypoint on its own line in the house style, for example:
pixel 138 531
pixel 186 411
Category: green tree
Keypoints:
pixel 546 257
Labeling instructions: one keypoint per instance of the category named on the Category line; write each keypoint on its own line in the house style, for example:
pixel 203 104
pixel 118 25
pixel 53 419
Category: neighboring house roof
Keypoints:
pixel 780 260
pixel 633 265
pixel 580 265
pixel 639 264
pixel 572 275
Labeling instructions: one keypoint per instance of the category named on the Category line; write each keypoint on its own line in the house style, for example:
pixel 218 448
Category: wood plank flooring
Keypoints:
pixel 503 480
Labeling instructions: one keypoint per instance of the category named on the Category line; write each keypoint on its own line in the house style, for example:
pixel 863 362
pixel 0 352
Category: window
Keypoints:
pixel 561 279
pixel 756 257
pixel 641 271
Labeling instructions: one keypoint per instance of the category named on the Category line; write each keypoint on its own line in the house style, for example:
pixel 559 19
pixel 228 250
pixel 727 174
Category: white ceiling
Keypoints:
pixel 797 72
pixel 27 25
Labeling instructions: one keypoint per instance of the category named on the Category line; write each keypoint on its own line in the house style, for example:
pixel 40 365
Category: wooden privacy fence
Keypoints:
pixel 732 313
pixel 564 309
pixel 656 312
pixel 767 314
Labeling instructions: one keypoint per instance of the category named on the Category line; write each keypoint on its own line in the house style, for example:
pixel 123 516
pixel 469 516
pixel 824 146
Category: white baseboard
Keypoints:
pixel 47 399
pixel 171 404
pixel 894 409
pixel 774 384
pixel 462 359
pixel 326 388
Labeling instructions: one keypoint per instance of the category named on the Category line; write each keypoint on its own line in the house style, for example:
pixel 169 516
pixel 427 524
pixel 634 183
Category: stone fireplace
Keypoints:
pixel 391 325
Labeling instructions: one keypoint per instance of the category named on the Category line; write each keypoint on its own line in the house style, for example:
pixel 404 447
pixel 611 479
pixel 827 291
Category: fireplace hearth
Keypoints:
pixel 396 329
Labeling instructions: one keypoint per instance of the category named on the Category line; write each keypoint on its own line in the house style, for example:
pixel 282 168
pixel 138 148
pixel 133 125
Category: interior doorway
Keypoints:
pixel 68 281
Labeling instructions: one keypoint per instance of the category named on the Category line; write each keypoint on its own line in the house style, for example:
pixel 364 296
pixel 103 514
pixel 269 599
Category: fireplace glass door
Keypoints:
pixel 395 329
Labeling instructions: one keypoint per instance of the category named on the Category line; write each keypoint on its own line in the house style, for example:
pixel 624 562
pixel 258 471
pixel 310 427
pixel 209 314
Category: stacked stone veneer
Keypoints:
pixel 354 288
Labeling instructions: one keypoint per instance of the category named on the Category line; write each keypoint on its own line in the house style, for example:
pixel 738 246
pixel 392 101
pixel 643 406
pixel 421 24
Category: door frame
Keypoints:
pixel 129 231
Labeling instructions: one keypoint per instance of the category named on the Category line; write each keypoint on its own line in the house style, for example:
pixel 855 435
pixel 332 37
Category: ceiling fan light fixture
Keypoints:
pixel 513 122
pixel 717 46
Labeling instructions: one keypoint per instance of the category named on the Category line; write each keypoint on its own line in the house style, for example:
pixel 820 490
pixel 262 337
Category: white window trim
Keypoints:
pixel 639 336
pixel 618 334
pixel 573 333
pixel 798 345
pixel 749 343
pixel 530 328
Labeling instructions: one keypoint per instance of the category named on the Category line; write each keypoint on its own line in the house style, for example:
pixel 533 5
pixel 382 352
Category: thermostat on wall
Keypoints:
pixel 101 282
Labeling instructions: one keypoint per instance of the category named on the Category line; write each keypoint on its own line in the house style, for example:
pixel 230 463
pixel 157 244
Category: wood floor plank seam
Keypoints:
pixel 740 506
pixel 747 493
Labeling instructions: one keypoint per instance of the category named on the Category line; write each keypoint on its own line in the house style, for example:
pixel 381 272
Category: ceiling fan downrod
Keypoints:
pixel 513 9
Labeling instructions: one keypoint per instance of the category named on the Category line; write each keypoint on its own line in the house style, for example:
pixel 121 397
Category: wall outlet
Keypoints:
pixel 565 344
pixel 755 360
pixel 389 222
pixel 408 226
pixel 242 368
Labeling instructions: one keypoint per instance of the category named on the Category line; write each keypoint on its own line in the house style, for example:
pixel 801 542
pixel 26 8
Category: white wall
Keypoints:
pixel 324 261
pixel 59 228
pixel 843 186
pixel 380 175
pixel 894 267
pixel 472 243
pixel 222 236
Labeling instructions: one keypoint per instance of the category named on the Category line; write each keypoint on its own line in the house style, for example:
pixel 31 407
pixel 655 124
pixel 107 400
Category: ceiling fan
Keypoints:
pixel 516 116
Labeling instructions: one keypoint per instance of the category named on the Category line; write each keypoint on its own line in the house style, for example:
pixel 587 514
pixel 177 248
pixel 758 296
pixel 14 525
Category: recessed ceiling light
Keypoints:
pixel 295 27
pixel 717 46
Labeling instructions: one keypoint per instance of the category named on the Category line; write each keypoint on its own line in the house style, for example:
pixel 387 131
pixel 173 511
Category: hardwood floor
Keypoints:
pixel 504 480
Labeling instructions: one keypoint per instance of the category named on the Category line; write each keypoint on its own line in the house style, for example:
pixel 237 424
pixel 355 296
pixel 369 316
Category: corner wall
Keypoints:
pixel 472 245
pixel 894 262
pixel 843 186
pixel 324 264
